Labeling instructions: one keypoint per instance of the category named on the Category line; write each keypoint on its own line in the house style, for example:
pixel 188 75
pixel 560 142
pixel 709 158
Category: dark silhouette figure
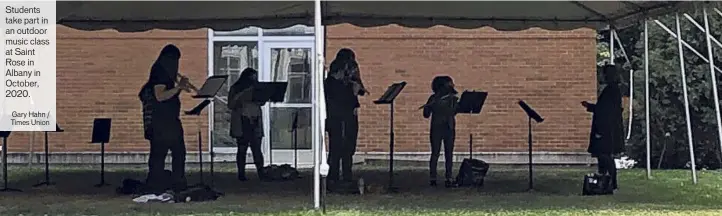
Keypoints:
pixel 246 122
pixel 162 124
pixel 342 88
pixel 442 108
pixel 606 137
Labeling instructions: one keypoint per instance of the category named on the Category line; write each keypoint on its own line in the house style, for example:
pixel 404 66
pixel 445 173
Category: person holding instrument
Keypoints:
pixel 442 108
pixel 606 137
pixel 246 122
pixel 342 88
pixel 163 128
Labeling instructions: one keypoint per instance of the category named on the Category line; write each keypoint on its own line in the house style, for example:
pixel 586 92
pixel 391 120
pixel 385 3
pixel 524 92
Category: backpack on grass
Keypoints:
pixel 597 184
pixel 472 173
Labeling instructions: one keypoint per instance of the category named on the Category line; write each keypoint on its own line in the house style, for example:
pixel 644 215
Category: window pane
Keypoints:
pixel 222 125
pixel 293 65
pixel 229 58
pixel 250 31
pixel 297 30
pixel 281 124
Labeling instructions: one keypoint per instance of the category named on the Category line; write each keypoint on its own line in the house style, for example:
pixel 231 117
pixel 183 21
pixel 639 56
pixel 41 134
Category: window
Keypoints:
pixel 229 58
pixel 293 65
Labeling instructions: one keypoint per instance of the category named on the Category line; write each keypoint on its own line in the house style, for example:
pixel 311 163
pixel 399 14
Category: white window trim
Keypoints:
pixel 260 39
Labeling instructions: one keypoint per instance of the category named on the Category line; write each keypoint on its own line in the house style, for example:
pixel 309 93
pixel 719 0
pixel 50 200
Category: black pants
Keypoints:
pixel 606 165
pixel 342 135
pixel 447 136
pixel 156 164
pixel 244 143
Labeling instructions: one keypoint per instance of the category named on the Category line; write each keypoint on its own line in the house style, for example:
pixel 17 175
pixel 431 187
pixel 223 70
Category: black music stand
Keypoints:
pixel 207 92
pixel 5 135
pixel 47 181
pixel 388 98
pixel 101 134
pixel 471 102
pixel 294 132
pixel 532 115
pixel 274 92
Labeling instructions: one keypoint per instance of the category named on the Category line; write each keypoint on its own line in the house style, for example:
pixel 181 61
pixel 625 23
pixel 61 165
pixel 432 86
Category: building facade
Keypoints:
pixel 99 74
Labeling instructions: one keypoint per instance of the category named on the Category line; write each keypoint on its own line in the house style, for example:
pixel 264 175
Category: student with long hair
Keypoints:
pixel 162 124
pixel 342 88
pixel 246 122
pixel 442 108
pixel 606 137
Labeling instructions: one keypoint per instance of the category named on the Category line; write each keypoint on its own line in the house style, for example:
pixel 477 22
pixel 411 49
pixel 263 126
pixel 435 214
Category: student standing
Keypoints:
pixel 246 122
pixel 606 137
pixel 163 128
pixel 442 108
pixel 342 88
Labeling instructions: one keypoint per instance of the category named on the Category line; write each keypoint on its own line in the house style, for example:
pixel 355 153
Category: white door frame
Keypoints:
pixel 228 153
pixel 282 156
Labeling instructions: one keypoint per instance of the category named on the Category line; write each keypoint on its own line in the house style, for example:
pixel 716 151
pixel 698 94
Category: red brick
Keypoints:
pixel 100 72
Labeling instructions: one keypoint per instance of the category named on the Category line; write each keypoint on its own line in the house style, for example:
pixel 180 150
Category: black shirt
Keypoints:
pixel 165 114
pixel 340 98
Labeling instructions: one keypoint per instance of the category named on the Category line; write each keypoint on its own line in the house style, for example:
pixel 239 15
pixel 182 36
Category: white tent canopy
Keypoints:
pixel 128 16
pixel 133 16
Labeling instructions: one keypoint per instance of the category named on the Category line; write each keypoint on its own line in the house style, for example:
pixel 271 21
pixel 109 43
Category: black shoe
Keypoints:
pixel 448 184
pixel 242 178
pixel 432 183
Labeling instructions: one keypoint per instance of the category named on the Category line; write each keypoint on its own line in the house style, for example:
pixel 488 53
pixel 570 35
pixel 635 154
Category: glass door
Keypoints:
pixel 290 62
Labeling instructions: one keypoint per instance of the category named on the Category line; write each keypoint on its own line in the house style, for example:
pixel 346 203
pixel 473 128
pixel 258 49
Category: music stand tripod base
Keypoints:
pixel 10 190
pixel 5 135
pixel 101 135
pixel 47 181
pixel 44 184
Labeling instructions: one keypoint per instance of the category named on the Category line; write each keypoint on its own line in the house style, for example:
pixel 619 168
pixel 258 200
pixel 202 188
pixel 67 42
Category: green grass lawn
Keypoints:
pixel 557 193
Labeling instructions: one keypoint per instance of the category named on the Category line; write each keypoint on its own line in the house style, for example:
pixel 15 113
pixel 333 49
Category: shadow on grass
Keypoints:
pixel 555 189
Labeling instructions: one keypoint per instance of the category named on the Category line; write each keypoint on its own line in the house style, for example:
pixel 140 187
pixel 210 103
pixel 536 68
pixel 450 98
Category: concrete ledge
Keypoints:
pixel 511 158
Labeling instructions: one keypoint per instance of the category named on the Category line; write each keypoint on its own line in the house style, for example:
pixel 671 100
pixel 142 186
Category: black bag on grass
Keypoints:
pixel 200 193
pixel 472 173
pixel 597 184
pixel 280 173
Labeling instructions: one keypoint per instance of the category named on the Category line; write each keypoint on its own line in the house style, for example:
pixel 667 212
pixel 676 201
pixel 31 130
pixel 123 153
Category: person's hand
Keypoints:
pixel 364 92
pixel 598 136
pixel 184 84
pixel 355 111
pixel 585 104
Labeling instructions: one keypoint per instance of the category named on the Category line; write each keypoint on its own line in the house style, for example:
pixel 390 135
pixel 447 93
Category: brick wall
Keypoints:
pixel 551 71
pixel 99 74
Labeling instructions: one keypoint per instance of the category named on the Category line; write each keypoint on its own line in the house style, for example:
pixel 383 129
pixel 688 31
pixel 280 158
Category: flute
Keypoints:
pixel 191 87
pixel 436 100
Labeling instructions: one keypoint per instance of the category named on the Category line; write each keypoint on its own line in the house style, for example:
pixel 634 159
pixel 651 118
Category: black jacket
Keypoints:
pixel 607 123
pixel 442 109
pixel 341 99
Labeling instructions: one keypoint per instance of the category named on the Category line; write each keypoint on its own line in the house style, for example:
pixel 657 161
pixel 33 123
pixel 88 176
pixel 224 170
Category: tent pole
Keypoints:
pixel 713 75
pixel 704 58
pixel 686 100
pixel 611 45
pixel 646 98
pixel 317 95
pixel 631 84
